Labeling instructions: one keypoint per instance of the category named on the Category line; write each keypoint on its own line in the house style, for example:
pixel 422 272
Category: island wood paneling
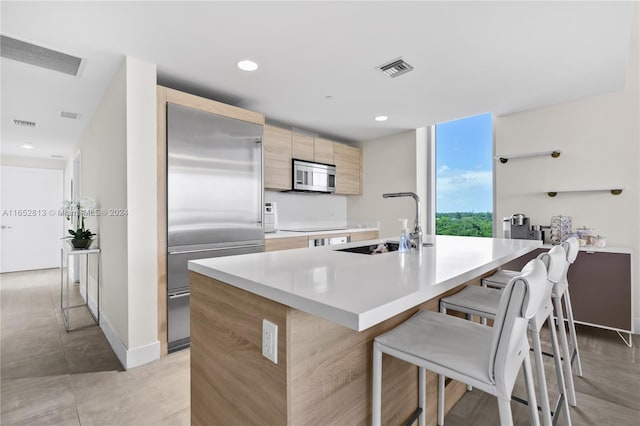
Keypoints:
pixel 231 382
pixel 324 371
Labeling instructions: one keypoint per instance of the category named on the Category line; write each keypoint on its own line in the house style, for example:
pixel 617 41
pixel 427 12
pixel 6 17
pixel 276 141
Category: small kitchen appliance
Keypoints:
pixel 270 217
pixel 519 226
pixel 313 177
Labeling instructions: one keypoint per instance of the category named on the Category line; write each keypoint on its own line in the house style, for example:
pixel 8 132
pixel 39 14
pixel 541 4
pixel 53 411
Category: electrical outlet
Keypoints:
pixel 270 340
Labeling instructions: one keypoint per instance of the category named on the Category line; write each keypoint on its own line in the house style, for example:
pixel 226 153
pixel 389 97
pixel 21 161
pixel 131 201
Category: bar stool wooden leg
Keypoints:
pixel 566 357
pixel 572 333
pixel 542 381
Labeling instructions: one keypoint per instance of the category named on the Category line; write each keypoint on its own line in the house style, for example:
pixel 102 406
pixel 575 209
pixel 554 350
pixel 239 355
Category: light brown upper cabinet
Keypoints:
pixel 302 147
pixel 281 145
pixel 277 157
pixel 323 152
pixel 348 161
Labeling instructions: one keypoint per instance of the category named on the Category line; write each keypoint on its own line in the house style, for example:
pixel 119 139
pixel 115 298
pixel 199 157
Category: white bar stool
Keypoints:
pixel 488 358
pixel 484 302
pixel 560 293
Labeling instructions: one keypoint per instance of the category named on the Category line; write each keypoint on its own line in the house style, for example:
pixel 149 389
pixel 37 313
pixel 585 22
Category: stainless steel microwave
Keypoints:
pixel 316 177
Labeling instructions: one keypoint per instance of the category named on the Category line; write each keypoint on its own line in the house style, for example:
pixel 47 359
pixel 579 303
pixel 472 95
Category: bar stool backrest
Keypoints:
pixel 571 247
pixel 555 260
pixel 521 299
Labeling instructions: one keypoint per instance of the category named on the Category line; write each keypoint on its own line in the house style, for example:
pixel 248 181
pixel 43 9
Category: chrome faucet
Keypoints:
pixel 416 235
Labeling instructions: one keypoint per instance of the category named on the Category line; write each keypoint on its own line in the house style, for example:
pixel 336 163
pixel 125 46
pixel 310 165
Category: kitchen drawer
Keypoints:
pixel 275 244
pixel 364 236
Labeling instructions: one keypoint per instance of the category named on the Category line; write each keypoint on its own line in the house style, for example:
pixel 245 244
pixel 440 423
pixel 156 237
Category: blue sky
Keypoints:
pixel 464 165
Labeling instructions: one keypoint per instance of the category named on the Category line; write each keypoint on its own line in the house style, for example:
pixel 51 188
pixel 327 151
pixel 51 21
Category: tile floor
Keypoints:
pixel 51 377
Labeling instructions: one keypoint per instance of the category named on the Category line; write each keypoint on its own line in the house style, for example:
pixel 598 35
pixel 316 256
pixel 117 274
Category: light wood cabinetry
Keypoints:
pixel 348 161
pixel 281 145
pixel 303 146
pixel 275 244
pixel 323 151
pixel 277 158
pixel 364 236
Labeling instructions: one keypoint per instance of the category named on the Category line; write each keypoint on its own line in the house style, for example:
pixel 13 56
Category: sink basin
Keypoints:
pixel 371 248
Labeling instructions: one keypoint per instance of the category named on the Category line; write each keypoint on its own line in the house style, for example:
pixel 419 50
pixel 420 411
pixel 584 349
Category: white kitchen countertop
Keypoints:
pixel 289 234
pixel 359 291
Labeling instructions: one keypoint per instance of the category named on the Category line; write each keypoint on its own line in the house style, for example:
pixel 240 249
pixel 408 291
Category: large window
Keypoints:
pixel 464 176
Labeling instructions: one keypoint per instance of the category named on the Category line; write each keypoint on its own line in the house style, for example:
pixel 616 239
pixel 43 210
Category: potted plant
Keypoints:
pixel 80 238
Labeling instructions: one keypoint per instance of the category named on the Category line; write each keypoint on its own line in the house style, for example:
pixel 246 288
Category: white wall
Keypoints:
pixel 104 178
pixel 307 210
pixel 600 142
pixel 141 193
pixel 119 172
pixel 389 165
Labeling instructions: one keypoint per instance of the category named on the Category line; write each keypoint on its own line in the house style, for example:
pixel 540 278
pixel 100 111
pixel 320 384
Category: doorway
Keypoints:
pixel 31 220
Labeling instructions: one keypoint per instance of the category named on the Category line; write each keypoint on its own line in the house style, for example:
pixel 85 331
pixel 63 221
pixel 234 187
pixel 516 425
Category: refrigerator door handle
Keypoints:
pixel 179 295
pixel 214 249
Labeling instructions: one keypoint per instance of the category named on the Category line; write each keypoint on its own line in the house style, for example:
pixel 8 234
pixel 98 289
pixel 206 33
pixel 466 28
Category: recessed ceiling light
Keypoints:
pixel 247 65
pixel 27 146
pixel 381 118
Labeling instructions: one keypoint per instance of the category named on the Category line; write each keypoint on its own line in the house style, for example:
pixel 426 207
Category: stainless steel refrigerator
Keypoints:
pixel 214 200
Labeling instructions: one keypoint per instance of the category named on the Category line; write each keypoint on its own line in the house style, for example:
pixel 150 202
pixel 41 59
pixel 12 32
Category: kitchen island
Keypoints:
pixel 328 305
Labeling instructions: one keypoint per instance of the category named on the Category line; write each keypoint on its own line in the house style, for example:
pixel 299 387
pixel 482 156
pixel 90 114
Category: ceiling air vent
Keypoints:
pixel 24 123
pixel 28 53
pixel 71 115
pixel 395 68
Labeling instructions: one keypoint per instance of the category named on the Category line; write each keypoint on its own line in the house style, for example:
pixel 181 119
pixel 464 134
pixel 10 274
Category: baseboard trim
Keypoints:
pixel 129 358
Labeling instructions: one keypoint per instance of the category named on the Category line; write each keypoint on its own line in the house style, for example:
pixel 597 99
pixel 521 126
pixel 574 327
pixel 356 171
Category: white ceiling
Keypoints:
pixel 468 58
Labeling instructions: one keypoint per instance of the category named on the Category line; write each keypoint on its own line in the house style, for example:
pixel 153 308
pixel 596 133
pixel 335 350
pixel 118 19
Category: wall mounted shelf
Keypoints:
pixel 504 158
pixel 616 191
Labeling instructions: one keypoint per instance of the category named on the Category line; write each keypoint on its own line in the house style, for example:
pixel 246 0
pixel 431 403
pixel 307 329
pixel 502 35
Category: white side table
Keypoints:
pixel 65 252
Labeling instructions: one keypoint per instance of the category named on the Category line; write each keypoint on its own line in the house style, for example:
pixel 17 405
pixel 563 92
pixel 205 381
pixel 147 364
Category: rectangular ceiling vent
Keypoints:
pixel 24 123
pixel 71 115
pixel 32 54
pixel 395 68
